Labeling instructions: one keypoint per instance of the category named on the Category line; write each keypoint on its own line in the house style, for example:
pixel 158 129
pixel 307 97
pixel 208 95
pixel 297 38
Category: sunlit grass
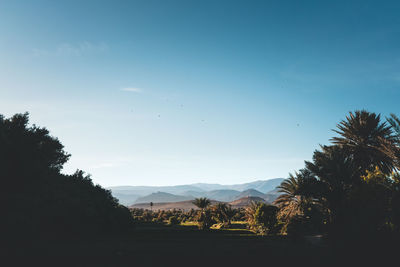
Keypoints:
pixel 189 223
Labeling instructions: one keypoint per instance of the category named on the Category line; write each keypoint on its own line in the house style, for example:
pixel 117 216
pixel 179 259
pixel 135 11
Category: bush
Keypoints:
pixel 173 220
pixel 205 219
pixel 262 218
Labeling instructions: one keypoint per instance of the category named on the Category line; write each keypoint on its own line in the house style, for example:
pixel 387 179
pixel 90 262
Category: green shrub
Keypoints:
pixel 173 220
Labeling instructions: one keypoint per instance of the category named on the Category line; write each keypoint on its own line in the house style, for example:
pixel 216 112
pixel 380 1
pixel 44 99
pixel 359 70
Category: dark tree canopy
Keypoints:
pixel 42 200
pixel 352 186
pixel 365 138
pixel 25 148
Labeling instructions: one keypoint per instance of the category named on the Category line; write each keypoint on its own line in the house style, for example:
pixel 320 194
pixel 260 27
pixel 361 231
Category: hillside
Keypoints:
pixel 219 195
pixel 245 201
pixel 251 193
pixel 223 195
pixel 272 195
pixel 126 198
pixel 260 185
pixel 161 197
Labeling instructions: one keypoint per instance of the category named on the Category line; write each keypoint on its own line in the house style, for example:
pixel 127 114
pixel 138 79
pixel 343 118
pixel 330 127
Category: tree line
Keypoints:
pixel 350 187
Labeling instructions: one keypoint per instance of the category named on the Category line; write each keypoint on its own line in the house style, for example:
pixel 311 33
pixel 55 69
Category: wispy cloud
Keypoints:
pixel 132 89
pixel 68 49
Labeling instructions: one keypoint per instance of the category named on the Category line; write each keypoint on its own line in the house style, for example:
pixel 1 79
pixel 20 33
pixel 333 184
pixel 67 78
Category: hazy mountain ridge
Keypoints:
pixel 263 186
pixel 246 201
pixel 251 193
pixel 129 195
pixel 160 197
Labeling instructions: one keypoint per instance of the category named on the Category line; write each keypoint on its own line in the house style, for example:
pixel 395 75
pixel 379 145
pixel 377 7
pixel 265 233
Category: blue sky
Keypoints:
pixel 176 92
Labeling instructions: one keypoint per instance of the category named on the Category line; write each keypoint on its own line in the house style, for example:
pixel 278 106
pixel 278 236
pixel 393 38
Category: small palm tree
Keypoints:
pixel 219 212
pixel 223 213
pixel 229 213
pixel 202 203
pixel 289 202
pixel 251 211
pixel 204 218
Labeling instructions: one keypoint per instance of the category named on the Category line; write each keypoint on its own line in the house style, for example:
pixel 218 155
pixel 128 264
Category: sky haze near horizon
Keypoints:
pixel 180 92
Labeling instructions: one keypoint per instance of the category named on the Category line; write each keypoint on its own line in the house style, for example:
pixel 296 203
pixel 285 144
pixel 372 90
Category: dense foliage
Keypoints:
pixel 40 199
pixel 221 215
pixel 350 188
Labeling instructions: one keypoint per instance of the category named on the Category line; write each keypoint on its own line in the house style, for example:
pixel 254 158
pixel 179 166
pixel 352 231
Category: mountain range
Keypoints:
pixel 128 195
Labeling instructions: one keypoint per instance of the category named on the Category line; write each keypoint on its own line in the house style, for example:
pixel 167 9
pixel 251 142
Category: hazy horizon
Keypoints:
pixel 180 92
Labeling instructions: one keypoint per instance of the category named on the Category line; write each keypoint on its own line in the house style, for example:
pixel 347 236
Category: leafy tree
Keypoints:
pixel 290 200
pixel 265 216
pixel 223 214
pixel 335 177
pixel 30 165
pixel 262 218
pixel 371 202
pixel 204 217
pixel 395 202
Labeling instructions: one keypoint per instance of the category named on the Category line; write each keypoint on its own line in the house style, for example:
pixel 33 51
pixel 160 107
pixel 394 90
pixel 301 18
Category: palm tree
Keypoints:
pixel 202 203
pixel 223 213
pixel 394 121
pixel 366 140
pixel 336 176
pixel 290 202
pixel 229 213
pixel 219 212
pixel 204 218
pixel 251 211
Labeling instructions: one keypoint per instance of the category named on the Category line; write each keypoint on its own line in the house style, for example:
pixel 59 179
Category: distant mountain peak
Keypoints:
pixel 135 194
pixel 161 197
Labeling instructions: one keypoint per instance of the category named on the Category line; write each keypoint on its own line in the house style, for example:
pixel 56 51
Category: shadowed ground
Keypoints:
pixel 156 245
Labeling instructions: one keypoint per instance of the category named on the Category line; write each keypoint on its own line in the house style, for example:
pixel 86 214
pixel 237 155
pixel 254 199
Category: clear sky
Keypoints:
pixel 176 92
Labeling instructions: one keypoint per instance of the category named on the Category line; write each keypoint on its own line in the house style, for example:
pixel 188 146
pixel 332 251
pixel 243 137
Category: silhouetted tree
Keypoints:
pixel 349 184
pixel 39 198
pixel 204 217
pixel 394 151
pixel 202 202
pixel 363 137
pixel 223 214
pixel 262 218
